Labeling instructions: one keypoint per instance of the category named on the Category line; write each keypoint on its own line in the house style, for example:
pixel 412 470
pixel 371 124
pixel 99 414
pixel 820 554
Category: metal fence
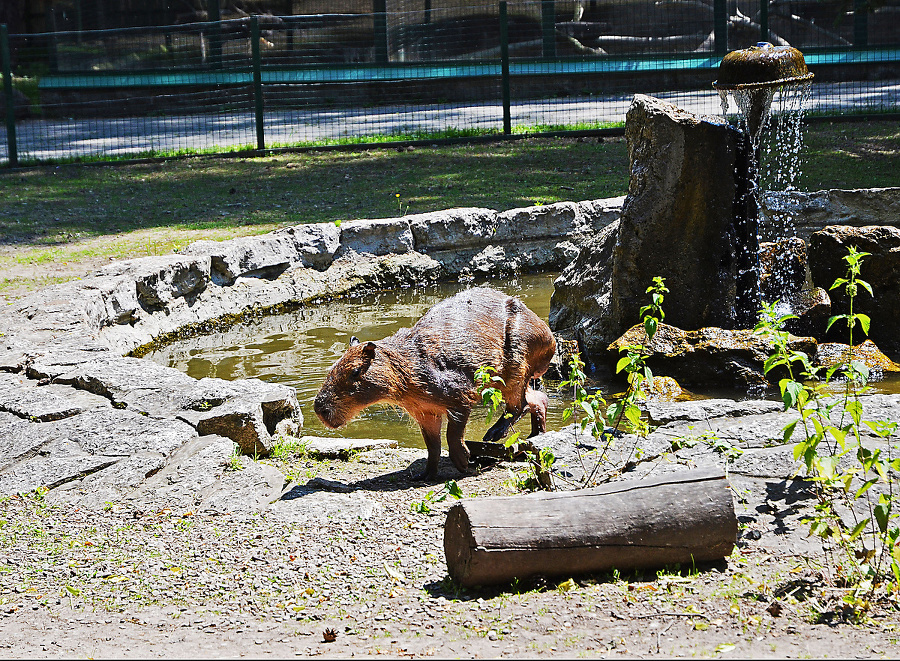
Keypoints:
pixel 441 69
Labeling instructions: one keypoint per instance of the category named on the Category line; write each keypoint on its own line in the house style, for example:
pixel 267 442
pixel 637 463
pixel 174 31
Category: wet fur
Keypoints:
pixel 429 370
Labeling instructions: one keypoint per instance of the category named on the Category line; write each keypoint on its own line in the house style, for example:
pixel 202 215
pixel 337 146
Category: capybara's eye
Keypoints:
pixel 356 372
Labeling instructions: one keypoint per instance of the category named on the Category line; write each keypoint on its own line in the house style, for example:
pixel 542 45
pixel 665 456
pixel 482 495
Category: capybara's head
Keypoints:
pixel 354 382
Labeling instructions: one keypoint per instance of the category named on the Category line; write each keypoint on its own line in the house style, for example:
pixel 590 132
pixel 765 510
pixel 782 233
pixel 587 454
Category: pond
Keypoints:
pixel 298 349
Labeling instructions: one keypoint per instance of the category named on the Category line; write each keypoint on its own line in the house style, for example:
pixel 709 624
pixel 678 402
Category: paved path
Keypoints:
pixel 221 130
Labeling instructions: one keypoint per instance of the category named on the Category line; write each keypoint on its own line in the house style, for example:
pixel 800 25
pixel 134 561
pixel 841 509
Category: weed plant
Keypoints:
pixel 856 497
pixel 604 421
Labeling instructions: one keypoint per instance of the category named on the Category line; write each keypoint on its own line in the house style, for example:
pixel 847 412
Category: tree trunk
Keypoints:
pixel 684 517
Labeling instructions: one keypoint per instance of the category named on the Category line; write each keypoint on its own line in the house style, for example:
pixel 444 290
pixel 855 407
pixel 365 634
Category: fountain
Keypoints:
pixel 692 214
pixel 753 76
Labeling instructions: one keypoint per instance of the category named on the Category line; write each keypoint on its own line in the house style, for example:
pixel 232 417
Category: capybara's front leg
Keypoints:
pixel 431 432
pixel 456 444
pixel 537 403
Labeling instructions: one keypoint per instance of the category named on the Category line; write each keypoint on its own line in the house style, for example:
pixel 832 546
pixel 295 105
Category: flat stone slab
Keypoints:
pixel 341 448
pixel 25 398
pixel 303 504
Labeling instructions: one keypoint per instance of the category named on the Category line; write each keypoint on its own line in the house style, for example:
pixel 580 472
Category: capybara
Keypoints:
pixel 429 370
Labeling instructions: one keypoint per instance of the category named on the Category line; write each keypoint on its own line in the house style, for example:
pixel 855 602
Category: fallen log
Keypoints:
pixel 683 517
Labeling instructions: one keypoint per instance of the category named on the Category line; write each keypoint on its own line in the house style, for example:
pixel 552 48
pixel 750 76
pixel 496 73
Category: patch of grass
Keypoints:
pixel 287 446
pixel 67 220
pixel 22 285
pixel 61 205
pixel 851 155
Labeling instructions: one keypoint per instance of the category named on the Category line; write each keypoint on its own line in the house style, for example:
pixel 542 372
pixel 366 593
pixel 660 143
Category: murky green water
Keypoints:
pixel 300 347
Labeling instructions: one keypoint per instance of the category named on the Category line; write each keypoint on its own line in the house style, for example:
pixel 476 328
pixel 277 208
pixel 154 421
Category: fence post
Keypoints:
pixel 720 25
pixel 214 14
pixel 860 24
pixel 504 68
pixel 52 41
pixel 257 83
pixel 6 58
pixel 548 24
pixel 763 20
pixel 381 36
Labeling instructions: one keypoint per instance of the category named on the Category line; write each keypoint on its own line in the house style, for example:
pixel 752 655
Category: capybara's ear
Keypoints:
pixel 354 341
pixel 368 355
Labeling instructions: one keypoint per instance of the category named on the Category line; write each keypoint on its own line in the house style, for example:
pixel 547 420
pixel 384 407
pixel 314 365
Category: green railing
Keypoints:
pixel 254 75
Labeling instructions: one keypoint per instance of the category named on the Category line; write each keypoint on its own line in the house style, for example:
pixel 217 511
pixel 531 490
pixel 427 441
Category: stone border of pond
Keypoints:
pixel 85 417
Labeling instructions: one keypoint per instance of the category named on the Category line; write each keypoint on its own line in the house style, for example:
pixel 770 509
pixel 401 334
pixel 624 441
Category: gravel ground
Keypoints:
pixel 129 583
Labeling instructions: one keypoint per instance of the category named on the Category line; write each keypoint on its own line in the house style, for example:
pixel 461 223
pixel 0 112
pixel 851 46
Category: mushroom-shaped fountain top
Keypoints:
pixel 752 76
pixel 762 66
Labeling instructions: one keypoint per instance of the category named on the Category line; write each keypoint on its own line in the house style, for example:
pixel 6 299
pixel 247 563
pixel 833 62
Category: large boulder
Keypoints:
pixel 678 222
pixel 678 219
pixel 708 356
pixel 831 354
pixel 580 302
pixel 881 269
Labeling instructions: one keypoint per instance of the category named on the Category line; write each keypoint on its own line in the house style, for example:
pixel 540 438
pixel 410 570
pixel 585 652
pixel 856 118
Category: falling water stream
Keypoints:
pixel 770 86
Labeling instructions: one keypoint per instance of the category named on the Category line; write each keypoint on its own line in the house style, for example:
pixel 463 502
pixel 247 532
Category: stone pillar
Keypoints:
pixel 678 220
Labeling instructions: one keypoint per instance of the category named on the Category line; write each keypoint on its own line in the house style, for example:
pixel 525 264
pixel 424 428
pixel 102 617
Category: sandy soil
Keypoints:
pixel 126 583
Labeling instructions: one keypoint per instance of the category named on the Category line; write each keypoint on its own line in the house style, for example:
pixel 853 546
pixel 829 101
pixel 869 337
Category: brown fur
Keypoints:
pixel 429 370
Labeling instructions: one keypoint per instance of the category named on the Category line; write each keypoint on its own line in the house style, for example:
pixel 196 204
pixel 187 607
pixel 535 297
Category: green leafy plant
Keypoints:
pixel 634 362
pixel 450 489
pixel 855 522
pixel 606 421
pixel 540 462
pixel 485 379
pixel 235 463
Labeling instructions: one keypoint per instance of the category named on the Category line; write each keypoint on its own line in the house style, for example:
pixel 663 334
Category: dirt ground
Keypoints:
pixel 125 583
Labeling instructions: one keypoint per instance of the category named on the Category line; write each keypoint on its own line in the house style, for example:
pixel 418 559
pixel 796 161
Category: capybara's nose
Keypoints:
pixel 323 412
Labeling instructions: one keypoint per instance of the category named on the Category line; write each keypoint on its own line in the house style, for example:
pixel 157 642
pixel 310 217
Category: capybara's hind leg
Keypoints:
pixel 431 432
pixel 537 403
pixel 456 444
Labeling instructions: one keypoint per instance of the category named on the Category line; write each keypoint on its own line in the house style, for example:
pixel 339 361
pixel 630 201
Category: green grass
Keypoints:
pixel 68 219
pixel 851 155
pixel 49 206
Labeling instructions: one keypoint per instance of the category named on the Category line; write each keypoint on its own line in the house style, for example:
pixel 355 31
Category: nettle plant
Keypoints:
pixel 604 421
pixel 540 462
pixel 851 472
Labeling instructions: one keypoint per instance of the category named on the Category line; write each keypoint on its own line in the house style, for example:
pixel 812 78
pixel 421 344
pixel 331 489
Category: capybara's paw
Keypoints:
pixel 427 475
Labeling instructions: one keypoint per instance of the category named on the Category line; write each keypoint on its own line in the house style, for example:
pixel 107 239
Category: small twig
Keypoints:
pixel 661 632
pixel 644 617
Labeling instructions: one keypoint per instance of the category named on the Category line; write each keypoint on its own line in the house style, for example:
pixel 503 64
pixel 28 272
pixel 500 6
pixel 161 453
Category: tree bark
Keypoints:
pixel 685 517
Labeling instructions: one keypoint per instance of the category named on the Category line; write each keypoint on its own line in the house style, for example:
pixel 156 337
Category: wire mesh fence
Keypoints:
pixel 407 69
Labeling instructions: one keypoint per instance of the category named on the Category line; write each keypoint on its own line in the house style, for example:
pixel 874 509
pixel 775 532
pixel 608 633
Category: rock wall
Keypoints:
pixel 796 212
pixel 678 220
pixel 96 426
